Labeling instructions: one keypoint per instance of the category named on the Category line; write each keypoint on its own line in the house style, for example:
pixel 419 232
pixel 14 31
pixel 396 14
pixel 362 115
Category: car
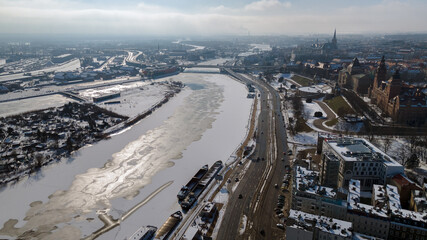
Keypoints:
pixel 281 226
pixel 290 152
pixel 240 196
pixel 236 179
pixel 276 186
pixel 279 211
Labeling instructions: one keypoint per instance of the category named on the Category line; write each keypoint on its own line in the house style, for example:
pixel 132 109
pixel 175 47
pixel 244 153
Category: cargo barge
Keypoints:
pixel 169 226
pixel 188 202
pixel 191 185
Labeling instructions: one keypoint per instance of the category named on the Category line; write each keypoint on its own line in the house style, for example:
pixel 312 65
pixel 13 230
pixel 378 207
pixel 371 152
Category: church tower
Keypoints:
pixel 381 74
pixel 395 85
pixel 334 40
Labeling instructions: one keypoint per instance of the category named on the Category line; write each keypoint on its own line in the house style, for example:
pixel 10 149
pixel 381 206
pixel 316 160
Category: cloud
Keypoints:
pixel 267 5
pixel 260 17
pixel 150 8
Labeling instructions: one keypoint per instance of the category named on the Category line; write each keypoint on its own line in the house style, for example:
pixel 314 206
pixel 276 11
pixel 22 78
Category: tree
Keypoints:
pixel 412 161
pixel 387 144
pixel 280 79
pixel 69 144
pixel 39 160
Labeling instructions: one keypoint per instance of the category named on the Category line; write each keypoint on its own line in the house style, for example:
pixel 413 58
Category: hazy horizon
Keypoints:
pixel 163 18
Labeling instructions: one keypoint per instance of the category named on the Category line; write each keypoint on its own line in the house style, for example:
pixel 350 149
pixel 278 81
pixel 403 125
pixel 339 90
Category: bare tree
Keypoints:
pixel 387 144
pixel 39 160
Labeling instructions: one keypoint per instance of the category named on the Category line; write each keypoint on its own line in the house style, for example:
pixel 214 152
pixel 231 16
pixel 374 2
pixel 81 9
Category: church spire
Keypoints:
pixel 381 73
pixel 334 40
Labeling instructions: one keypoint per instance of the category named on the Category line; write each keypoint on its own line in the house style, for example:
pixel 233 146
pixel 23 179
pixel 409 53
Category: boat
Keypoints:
pixel 191 185
pixel 192 197
pixel 169 226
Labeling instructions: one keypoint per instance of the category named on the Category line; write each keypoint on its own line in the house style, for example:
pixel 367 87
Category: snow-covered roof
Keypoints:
pixel 393 197
pixel 353 196
pixel 324 224
pixel 353 201
pixel 309 89
pixel 415 216
pixel 359 149
pixel 306 181
pixel 379 194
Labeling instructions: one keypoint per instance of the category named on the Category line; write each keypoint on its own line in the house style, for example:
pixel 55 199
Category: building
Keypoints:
pixel 354 77
pixel 366 219
pixel 418 201
pixel 402 102
pixel 308 196
pixel 303 226
pixel 406 224
pixel 329 46
pixel 355 158
pixel 405 187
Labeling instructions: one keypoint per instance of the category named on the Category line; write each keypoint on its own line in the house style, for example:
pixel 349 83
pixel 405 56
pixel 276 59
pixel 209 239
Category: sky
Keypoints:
pixel 212 17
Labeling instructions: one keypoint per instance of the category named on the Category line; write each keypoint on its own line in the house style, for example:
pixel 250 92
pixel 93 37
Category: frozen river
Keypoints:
pixel 204 123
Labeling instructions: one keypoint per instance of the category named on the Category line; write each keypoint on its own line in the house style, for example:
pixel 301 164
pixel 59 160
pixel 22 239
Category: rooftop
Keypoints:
pixel 359 149
pixel 353 200
pixel 393 198
pixel 325 224
pixel 307 181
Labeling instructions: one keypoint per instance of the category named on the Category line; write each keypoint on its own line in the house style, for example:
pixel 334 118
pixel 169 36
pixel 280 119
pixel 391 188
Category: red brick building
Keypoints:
pixel 402 102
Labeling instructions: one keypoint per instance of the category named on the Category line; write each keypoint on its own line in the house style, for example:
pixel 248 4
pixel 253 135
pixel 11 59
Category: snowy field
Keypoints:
pixel 32 104
pixel 309 110
pixel 202 124
pixel 134 97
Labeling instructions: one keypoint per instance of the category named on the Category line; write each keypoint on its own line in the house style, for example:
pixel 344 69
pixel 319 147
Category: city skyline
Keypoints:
pixel 207 18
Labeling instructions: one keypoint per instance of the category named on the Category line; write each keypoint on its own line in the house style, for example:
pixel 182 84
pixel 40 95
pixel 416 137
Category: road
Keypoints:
pixel 318 123
pixel 257 183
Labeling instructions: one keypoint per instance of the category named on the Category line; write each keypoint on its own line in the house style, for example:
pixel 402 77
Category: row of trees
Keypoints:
pixel 410 151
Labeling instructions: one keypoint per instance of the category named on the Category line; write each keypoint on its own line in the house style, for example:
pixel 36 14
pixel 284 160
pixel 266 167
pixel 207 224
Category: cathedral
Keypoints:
pixel 404 103
pixel 329 46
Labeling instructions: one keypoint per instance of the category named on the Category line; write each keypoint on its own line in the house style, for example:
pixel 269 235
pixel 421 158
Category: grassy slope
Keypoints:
pixel 339 106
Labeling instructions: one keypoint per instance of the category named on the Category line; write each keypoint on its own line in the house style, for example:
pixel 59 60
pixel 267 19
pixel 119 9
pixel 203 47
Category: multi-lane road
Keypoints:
pixel 256 184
